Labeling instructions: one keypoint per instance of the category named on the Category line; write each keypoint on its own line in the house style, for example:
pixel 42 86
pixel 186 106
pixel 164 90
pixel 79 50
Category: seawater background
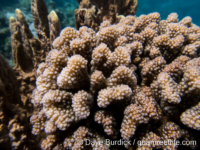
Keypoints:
pixel 65 10
pixel 182 7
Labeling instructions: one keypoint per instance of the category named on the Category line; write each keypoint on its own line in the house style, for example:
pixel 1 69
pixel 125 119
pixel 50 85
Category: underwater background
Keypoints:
pixel 181 7
pixel 65 11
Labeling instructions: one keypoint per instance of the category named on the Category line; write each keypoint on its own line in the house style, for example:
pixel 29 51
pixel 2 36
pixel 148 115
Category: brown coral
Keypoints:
pixel 191 117
pixel 92 13
pixel 29 49
pixel 108 121
pixel 150 141
pixel 80 139
pixel 82 103
pixel 115 94
pixel 76 72
pixel 170 131
pixel 140 66
pixel 9 97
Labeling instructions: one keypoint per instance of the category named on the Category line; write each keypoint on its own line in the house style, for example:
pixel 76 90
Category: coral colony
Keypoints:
pixel 129 83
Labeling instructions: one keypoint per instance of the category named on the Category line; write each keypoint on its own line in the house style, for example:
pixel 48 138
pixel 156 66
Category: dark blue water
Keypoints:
pixel 165 7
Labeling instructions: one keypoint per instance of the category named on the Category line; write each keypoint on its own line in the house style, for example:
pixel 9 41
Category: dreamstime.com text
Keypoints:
pixel 139 142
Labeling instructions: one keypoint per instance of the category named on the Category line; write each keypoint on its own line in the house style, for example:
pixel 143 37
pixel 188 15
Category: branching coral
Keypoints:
pixel 9 95
pixel 80 139
pixel 76 73
pixel 145 108
pixel 28 51
pixel 92 13
pixel 108 121
pixel 57 108
pixel 38 122
pixel 13 116
pixel 113 95
pixel 141 72
pixel 148 140
pixel 191 117
pixel 82 103
pixel 170 131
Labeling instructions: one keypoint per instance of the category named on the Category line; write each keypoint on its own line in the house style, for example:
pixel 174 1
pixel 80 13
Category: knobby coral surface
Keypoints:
pixel 138 79
pixel 14 131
